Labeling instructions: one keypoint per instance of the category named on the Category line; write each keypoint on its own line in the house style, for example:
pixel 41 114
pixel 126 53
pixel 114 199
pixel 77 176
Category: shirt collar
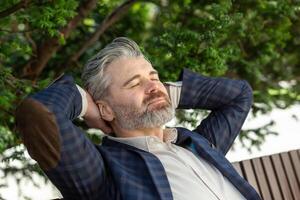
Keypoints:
pixel 142 142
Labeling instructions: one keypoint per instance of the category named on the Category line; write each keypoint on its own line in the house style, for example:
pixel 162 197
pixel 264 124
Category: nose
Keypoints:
pixel 151 87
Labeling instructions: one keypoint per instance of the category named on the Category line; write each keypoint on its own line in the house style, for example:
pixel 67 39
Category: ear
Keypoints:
pixel 105 110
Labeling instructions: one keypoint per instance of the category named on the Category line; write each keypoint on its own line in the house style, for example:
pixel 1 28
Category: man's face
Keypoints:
pixel 136 95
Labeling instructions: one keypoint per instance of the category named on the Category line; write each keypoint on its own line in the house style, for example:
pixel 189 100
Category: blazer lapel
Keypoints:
pixel 146 167
pixel 158 175
pixel 201 147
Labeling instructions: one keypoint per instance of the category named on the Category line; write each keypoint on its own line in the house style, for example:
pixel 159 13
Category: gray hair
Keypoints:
pixel 96 81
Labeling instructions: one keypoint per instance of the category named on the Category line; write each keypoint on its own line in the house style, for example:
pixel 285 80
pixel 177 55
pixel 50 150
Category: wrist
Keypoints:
pixel 174 91
pixel 84 101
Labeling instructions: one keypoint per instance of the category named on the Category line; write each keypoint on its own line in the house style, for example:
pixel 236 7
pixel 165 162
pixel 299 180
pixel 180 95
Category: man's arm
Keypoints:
pixel 229 102
pixel 65 154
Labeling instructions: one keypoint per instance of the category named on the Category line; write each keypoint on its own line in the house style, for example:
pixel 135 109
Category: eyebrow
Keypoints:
pixel 138 76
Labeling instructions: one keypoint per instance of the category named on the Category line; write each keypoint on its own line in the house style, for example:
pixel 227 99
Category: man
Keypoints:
pixel 140 159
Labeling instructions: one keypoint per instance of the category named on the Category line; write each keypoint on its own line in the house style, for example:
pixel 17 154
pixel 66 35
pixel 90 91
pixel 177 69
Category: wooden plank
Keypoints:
pixel 283 182
pixel 265 190
pixel 249 174
pixel 296 164
pixel 238 168
pixel 290 174
pixel 271 177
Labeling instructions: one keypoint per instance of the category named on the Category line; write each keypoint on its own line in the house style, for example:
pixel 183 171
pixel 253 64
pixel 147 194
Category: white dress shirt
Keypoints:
pixel 189 177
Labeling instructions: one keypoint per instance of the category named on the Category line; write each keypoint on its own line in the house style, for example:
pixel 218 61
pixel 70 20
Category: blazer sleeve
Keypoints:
pixel 229 101
pixel 66 155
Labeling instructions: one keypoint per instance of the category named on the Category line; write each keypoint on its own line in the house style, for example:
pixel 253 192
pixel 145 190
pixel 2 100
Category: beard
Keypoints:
pixel 147 116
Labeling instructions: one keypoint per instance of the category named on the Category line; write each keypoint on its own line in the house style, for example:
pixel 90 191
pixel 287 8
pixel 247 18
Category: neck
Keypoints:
pixel 124 133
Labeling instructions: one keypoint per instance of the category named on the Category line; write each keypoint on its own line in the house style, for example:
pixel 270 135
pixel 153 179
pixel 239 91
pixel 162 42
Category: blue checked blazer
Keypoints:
pixel 118 171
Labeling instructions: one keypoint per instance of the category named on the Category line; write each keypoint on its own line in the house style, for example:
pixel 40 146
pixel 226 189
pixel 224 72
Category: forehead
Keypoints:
pixel 123 68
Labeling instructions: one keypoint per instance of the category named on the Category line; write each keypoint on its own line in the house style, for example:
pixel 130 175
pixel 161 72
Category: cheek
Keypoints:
pixel 134 99
pixel 164 90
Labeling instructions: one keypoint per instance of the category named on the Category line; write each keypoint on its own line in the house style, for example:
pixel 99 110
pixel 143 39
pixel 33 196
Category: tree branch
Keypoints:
pixel 31 41
pixel 16 32
pixel 14 8
pixel 7 111
pixel 46 49
pixel 112 18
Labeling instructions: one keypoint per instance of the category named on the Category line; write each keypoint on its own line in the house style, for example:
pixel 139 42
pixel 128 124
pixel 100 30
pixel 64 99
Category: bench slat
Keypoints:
pixel 296 163
pixel 291 175
pixel 249 174
pixel 261 179
pixel 271 177
pixel 283 182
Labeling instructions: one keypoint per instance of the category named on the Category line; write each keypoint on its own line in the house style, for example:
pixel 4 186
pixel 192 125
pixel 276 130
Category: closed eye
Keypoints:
pixel 137 84
pixel 155 79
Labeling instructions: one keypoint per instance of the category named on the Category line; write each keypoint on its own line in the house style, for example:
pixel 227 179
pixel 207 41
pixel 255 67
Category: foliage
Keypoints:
pixel 256 40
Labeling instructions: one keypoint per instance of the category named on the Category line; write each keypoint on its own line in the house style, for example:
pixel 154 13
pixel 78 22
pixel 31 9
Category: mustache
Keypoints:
pixel 155 95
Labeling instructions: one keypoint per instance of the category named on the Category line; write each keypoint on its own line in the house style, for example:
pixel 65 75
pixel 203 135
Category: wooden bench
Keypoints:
pixel 274 176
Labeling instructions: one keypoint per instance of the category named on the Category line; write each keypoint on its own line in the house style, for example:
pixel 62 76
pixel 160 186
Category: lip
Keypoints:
pixel 157 100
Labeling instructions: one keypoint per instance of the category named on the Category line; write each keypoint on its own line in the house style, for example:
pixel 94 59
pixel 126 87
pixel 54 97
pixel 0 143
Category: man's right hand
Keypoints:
pixel 93 118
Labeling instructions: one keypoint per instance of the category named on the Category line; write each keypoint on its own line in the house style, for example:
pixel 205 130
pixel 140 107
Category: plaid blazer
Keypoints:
pixel 113 170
